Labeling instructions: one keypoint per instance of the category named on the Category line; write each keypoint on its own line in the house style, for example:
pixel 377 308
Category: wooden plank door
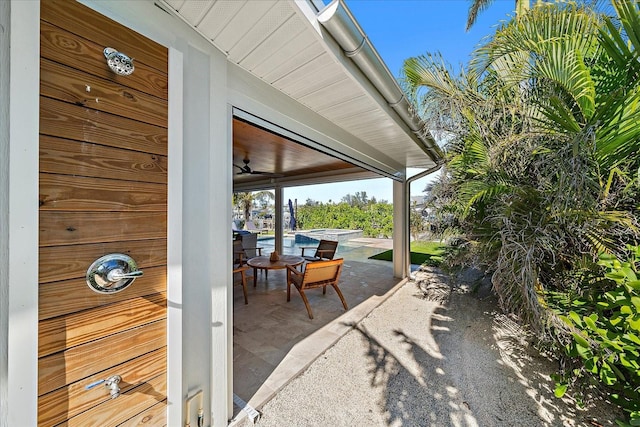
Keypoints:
pixel 103 189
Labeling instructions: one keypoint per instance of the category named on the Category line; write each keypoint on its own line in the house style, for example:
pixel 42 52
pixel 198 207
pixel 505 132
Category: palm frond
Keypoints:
pixel 618 138
pixel 476 7
pixel 568 71
pixel 629 15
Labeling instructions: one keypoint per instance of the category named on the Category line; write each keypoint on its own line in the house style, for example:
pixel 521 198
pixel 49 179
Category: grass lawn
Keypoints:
pixel 421 252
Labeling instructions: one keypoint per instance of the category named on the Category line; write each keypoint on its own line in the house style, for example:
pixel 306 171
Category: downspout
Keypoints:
pixel 340 23
pixel 407 198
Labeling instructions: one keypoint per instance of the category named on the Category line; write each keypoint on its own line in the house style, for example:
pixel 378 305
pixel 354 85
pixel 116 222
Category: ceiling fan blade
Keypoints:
pixel 243 169
pixel 271 174
pixel 247 170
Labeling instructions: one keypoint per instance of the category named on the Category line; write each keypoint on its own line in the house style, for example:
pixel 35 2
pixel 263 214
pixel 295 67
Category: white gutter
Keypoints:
pixel 340 23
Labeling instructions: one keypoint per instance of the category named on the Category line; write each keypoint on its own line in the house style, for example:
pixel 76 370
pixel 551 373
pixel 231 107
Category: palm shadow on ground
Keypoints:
pixel 465 365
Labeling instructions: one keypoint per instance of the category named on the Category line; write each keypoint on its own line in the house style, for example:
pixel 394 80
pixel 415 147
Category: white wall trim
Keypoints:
pixel 24 104
pixel 174 242
pixel 229 257
pixel 5 42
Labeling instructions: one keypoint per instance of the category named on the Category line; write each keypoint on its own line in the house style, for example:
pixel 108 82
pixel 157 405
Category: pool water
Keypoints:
pixel 308 238
pixel 289 245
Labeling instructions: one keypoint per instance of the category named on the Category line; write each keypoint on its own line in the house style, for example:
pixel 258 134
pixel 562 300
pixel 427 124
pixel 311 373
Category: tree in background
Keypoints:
pixel 416 222
pixel 358 199
pixel 246 201
pixel 375 219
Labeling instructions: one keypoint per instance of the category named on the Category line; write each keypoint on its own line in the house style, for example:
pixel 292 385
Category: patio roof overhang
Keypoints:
pixel 320 57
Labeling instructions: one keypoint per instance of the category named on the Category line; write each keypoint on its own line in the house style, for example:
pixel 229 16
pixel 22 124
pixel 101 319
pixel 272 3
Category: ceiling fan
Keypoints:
pixel 246 170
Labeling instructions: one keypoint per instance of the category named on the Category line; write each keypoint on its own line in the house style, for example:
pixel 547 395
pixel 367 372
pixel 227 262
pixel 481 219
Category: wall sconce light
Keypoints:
pixel 119 63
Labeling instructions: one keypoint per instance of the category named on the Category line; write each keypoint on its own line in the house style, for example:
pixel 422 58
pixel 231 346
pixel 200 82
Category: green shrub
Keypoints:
pixel 604 327
pixel 374 219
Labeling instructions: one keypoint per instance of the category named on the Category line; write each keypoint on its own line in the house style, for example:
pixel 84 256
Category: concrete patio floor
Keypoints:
pixel 274 340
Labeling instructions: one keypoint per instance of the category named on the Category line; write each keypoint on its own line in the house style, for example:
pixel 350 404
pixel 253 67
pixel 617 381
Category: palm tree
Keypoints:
pixel 543 171
pixel 478 6
pixel 245 201
pixel 543 165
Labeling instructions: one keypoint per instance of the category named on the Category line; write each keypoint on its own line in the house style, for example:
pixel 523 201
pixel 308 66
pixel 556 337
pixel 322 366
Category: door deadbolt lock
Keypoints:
pixel 112 273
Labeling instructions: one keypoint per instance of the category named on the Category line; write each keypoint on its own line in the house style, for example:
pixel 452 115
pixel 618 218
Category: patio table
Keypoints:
pixel 264 263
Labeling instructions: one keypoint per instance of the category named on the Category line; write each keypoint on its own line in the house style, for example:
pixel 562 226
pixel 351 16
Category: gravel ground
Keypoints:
pixel 431 355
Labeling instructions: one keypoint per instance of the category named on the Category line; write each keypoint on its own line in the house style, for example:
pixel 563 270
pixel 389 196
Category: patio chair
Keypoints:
pixel 315 275
pixel 326 249
pixel 239 266
pixel 249 244
pixel 243 279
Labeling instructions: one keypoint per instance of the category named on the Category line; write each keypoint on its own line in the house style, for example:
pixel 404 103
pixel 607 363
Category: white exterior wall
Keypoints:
pixel 199 202
pixel 203 88
pixel 200 330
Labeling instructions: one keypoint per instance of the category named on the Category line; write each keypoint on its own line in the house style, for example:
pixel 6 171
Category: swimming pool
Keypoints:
pixel 315 235
pixel 291 244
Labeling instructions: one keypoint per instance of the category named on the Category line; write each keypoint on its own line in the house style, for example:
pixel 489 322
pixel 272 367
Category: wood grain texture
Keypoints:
pixel 70 296
pixel 67 262
pixel 68 228
pixel 73 364
pixel 103 176
pixel 65 157
pixel 116 411
pixel 74 399
pixel 62 332
pixel 76 193
pixel 91 25
pixel 70 85
pixel 61 46
pixel 75 122
pixel 156 416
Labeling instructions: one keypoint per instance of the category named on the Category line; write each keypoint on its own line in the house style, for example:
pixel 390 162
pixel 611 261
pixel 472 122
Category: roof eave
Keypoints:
pixel 342 26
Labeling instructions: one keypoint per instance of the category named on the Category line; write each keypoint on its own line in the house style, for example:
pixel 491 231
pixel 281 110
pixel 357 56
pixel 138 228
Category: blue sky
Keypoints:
pixel 400 29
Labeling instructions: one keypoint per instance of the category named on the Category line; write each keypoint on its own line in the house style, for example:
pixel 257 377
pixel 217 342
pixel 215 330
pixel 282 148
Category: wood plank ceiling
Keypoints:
pixel 273 157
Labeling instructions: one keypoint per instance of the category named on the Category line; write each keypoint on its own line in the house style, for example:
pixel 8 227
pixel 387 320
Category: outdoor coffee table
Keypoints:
pixel 264 263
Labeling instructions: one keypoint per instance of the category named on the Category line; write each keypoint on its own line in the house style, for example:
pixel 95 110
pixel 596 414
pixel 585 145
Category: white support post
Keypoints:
pixel 279 219
pixel 400 230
